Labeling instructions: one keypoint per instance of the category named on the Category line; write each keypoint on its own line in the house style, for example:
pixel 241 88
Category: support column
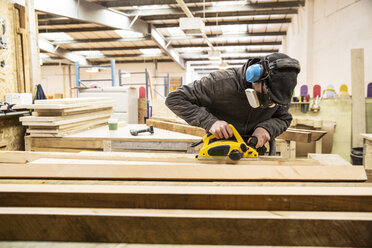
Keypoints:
pixel 358 113
pixel 33 52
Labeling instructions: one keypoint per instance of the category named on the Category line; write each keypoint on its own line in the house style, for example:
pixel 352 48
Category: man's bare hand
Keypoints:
pixel 262 135
pixel 221 129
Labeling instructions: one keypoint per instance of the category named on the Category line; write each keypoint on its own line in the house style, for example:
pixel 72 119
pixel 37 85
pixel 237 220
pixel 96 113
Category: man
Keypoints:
pixel 220 99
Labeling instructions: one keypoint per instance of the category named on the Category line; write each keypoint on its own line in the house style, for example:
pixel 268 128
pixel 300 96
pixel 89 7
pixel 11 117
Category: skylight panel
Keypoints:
pixel 150 51
pixel 129 34
pixel 191 49
pixel 58 36
pixel 175 31
pixel 229 3
pixel 234 29
pixel 90 53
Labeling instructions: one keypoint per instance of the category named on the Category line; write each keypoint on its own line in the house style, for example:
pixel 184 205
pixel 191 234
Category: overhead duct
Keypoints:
pixel 192 25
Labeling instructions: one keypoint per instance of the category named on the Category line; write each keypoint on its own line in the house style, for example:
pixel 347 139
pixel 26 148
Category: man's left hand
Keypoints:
pixel 262 135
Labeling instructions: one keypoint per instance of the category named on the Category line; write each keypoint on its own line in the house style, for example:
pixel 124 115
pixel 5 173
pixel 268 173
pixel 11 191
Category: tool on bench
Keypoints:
pixel 135 132
pixel 234 148
pixel 6 108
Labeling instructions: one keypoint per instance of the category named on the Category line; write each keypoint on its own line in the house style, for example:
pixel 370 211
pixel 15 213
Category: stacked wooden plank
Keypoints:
pixel 59 117
pixel 190 213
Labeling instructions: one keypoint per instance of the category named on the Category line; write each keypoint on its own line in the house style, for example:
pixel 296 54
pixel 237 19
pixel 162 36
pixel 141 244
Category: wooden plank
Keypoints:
pixel 212 227
pixel 196 172
pixel 92 116
pixel 34 118
pixel 25 157
pixel 269 198
pixel 358 96
pixel 68 101
pixel 299 135
pixel 65 142
pixel 92 124
pixel 56 106
pixel 64 127
pixel 182 128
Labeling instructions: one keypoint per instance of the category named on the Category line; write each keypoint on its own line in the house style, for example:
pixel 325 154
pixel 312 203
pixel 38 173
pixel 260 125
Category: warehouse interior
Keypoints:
pixel 96 150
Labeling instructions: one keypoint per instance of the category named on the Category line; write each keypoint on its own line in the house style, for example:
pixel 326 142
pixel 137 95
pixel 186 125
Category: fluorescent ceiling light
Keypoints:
pixel 214 55
pixel 175 31
pixel 56 36
pixel 235 48
pixel 150 51
pixel 229 3
pixel 233 29
pixel 191 49
pixel 129 34
pixel 90 53
pixel 152 7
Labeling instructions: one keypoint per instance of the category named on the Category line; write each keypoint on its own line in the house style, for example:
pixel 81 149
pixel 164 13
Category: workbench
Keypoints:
pixel 101 139
pixel 189 212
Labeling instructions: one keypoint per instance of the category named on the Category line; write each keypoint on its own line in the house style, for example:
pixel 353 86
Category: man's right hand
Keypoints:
pixel 221 129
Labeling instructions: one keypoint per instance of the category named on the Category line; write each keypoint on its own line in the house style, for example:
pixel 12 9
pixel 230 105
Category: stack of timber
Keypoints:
pixel 180 213
pixel 59 117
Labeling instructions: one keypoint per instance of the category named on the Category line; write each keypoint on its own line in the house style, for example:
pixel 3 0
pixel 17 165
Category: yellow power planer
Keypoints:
pixel 234 148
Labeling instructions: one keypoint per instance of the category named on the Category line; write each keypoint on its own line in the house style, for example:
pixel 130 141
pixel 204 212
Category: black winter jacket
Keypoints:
pixel 221 96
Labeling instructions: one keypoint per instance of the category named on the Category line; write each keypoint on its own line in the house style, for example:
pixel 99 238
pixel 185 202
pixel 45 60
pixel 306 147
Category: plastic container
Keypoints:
pixel 357 155
pixel 113 124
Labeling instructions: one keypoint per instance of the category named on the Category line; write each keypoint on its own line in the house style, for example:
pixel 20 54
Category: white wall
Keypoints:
pixel 322 36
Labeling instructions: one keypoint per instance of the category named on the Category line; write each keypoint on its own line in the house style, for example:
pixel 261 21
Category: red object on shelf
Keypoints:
pixel 142 92
pixel 317 91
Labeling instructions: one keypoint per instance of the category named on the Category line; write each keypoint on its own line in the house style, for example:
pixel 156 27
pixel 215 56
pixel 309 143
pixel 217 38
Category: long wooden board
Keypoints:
pixel 93 116
pixel 197 172
pixel 208 227
pixel 56 106
pixel 270 198
pixel 34 118
pixel 171 126
pixel 25 157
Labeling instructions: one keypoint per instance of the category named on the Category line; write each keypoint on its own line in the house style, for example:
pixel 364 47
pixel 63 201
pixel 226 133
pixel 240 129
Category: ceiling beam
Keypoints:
pixel 130 3
pixel 174 16
pixel 50 48
pixel 90 12
pixel 201 45
pixel 214 9
pixel 220 23
pixel 159 39
pixel 224 22
pixel 233 13
pixel 73 30
pixel 237 36
pixel 229 36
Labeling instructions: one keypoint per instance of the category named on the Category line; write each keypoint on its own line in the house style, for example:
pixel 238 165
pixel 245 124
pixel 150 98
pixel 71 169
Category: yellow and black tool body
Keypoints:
pixel 234 148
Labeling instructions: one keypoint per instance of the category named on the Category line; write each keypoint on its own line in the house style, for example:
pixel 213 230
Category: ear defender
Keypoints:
pixel 253 73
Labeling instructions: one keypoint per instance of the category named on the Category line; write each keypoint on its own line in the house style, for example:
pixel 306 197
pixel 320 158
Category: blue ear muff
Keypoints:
pixel 253 73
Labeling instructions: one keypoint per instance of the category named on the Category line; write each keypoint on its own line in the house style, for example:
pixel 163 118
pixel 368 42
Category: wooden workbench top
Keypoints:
pixel 123 133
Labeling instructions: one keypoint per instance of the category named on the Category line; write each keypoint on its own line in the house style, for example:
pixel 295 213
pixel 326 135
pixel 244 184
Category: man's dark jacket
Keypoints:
pixel 221 96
